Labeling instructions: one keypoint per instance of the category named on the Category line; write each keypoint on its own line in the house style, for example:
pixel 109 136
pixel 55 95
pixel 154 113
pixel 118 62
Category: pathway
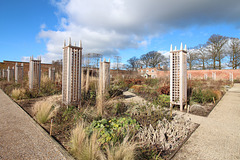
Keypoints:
pixel 22 138
pixel 218 136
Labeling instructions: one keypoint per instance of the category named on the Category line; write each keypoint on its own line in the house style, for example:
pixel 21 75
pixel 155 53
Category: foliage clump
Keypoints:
pixel 114 130
pixel 203 96
pixel 162 100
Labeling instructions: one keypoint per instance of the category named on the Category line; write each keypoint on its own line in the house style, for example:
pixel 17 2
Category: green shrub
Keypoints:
pixel 114 130
pixel 48 88
pixel 208 95
pixel 197 96
pixel 151 82
pixel 203 96
pixel 31 94
pixel 162 100
pixel 89 97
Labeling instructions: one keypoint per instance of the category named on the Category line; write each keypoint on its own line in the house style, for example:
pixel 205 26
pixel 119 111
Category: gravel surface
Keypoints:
pixel 22 138
pixel 218 136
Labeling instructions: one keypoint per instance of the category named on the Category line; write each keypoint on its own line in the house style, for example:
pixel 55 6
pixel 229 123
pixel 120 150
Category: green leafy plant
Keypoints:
pixel 162 100
pixel 114 130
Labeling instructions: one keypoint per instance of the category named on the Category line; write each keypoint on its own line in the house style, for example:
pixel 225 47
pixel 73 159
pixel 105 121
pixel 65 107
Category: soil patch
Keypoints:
pixel 60 131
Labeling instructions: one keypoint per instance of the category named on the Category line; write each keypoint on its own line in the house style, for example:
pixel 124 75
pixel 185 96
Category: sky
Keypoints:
pixel 125 28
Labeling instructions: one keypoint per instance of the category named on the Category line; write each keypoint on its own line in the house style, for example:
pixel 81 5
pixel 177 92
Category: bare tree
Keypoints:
pixel 215 46
pixel 191 58
pixel 202 55
pixel 117 61
pixel 57 65
pixel 152 59
pixel 133 63
pixel 234 53
pixel 145 59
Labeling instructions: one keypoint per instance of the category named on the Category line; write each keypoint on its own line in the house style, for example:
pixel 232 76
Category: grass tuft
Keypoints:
pixel 18 93
pixel 84 148
pixel 45 109
pixel 124 151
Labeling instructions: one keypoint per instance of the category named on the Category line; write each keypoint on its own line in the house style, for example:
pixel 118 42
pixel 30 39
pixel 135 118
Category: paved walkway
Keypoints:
pixel 22 138
pixel 218 136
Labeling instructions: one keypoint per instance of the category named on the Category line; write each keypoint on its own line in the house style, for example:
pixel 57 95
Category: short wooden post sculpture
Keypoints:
pixel 34 73
pixel 4 73
pixel 231 77
pixel 51 73
pixel 10 74
pixel 87 80
pixel 71 77
pixel 205 76
pixel 82 78
pixel 18 73
pixel 178 77
pixel 214 76
pixel 104 83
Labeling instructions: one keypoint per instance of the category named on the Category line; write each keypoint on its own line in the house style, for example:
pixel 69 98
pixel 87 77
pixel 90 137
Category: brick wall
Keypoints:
pixel 194 74
pixel 5 64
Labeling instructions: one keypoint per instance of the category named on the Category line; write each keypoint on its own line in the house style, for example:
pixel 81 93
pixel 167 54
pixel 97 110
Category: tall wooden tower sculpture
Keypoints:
pixel 178 77
pixel 71 77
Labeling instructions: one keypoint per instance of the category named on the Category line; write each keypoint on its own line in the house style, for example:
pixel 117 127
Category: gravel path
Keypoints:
pixel 218 136
pixel 131 97
pixel 22 138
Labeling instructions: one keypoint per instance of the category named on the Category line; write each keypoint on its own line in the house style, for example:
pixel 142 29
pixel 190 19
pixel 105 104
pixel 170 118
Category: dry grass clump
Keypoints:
pixel 167 135
pixel 124 151
pixel 58 76
pixel 18 93
pixel 84 148
pixel 44 79
pixel 46 109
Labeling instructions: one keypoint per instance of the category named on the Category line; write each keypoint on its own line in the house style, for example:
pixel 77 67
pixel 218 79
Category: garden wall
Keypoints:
pixel 194 74
pixel 5 64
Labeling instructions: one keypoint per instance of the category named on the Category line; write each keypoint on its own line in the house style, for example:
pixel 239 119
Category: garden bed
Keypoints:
pixel 66 119
pixel 203 95
pixel 149 129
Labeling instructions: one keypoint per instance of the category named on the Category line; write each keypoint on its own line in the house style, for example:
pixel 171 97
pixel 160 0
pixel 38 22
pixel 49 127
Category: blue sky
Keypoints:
pixel 112 27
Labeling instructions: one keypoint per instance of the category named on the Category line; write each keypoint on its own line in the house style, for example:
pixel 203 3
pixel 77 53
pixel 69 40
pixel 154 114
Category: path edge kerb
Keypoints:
pixel 43 132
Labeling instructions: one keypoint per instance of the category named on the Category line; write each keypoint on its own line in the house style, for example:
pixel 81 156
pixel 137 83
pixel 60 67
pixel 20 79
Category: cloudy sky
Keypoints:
pixel 112 27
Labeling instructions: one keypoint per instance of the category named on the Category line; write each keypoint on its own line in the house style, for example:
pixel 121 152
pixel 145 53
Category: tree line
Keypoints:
pixel 150 59
pixel 217 53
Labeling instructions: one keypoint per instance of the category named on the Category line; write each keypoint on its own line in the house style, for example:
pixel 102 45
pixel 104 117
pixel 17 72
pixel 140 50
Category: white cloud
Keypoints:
pixel 43 26
pixel 25 59
pixel 115 65
pixel 108 25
